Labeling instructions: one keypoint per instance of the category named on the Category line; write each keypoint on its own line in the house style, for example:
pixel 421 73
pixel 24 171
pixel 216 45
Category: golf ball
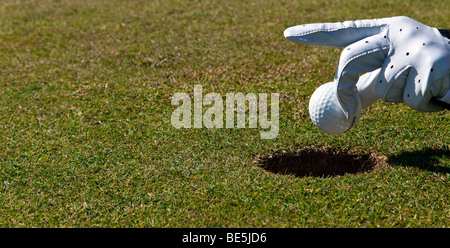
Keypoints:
pixel 326 113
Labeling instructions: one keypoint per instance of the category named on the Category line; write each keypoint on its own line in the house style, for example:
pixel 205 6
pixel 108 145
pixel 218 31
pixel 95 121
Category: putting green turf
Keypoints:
pixel 86 138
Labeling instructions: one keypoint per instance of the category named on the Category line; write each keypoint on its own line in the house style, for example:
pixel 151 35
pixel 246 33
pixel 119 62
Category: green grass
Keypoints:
pixel 86 138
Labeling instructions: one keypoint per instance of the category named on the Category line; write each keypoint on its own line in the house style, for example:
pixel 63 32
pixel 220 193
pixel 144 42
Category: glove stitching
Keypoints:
pixel 335 29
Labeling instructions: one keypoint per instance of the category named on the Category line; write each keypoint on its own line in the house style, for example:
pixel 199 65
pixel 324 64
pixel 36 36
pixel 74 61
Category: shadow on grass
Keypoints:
pixel 427 159
pixel 319 162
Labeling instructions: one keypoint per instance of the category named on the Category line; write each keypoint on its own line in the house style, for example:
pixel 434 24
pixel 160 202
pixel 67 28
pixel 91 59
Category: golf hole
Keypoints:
pixel 319 162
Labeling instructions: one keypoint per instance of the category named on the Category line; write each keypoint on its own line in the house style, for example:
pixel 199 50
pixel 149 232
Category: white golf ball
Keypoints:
pixel 326 113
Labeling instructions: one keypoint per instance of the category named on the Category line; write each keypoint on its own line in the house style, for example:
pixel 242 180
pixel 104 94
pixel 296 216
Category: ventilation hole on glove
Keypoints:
pixel 381 81
pixel 419 81
pixel 417 27
pixel 367 41
pixel 423 44
pixel 431 69
pixel 348 49
pixel 407 95
pixel 401 30
pixel 392 66
pixel 385 36
pixel 407 54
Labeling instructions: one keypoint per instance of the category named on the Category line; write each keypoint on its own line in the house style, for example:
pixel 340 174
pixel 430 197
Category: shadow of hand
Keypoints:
pixel 426 159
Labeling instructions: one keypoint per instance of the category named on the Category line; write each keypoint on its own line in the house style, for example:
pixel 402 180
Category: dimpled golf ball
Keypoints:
pixel 326 113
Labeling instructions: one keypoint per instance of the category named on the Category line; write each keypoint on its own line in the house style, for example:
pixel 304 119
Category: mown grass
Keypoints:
pixel 86 138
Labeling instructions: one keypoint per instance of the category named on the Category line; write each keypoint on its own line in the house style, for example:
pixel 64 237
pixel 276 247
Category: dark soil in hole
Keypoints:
pixel 319 162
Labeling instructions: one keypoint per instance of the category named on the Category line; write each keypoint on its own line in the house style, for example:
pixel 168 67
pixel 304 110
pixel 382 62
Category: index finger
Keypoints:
pixel 339 34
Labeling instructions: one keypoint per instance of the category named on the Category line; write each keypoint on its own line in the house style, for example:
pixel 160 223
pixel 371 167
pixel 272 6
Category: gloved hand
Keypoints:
pixel 408 61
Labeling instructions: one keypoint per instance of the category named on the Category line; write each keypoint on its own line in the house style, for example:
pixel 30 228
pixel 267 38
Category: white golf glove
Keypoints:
pixel 408 61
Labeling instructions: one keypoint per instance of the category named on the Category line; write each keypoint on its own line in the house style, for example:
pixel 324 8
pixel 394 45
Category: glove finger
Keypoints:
pixel 360 57
pixel 339 34
pixel 408 87
pixel 392 82
pixel 422 88
pixel 366 88
pixel 417 82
